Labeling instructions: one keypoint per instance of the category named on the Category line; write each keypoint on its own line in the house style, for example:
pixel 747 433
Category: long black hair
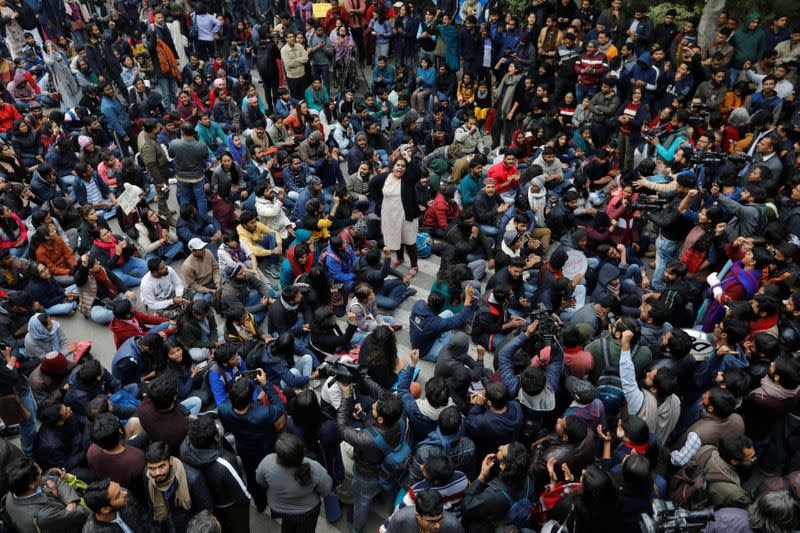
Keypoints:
pixel 152 232
pixel 290 453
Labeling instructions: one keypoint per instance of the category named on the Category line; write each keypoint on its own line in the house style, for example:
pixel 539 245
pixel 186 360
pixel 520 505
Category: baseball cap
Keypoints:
pixel 196 244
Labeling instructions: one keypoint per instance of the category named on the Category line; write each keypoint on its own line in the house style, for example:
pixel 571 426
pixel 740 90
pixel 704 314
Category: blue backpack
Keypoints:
pixel 395 460
pixel 424 243
pixel 609 384
pixel 517 515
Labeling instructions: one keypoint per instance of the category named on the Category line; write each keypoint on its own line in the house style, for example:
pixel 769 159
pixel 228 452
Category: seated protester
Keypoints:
pixel 200 272
pixel 196 329
pixel 458 369
pixel 117 254
pixel 224 370
pixel 423 504
pixel 162 416
pixel 220 468
pixel 609 281
pixel 129 322
pixel 653 319
pixel 294 483
pixel 244 290
pixel 253 425
pixel 190 378
pixel 311 191
pixel 493 320
pixel 134 362
pixel 467 236
pixel 44 336
pixel 269 207
pixel 338 259
pixel 717 418
pixel 609 349
pixel 50 250
pixel 656 404
pixel 175 491
pixel 98 290
pixel 48 381
pixel 192 224
pixel 91 224
pixel 326 338
pixel 162 290
pixel 278 361
pixel 765 309
pixel 441 213
pixel 233 253
pixel 61 441
pixel 86 382
pixel 511 276
pixel 31 497
pixel 109 457
pixel 423 413
pixel 53 297
pixel 365 307
pixel 447 439
pixel 486 502
pixel 585 404
pixel 386 421
pixel 571 443
pixel 733 453
pixel 286 314
pixel 157 237
pixel 430 326
pixel 389 293
pixel 489 207
pixel 89 189
pixel 317 222
pixel 261 240
pixel 299 260
pixel 579 362
pixel 111 504
pixel 494 418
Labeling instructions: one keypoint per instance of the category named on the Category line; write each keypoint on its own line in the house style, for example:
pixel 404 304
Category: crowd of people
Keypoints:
pixel 610 341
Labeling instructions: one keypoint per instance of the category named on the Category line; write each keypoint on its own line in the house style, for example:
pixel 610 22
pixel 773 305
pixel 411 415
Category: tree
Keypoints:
pixel 708 22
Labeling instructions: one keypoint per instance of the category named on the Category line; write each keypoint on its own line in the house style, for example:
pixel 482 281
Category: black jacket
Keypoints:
pixel 489 319
pixel 62 446
pixel 225 488
pixel 673 225
pixel 133 514
pixel 201 501
pixel 367 456
pixel 486 208
pixel 281 320
pixel 561 220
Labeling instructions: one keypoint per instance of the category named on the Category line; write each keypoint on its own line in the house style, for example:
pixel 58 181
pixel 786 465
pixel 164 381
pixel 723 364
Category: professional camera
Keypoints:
pixel 548 327
pixel 698 114
pixel 669 519
pixel 652 133
pixel 718 158
pixel 343 372
pixel 658 203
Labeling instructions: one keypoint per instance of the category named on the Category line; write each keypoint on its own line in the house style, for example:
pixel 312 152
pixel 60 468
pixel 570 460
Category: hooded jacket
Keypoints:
pixel 225 482
pixel 489 321
pixel 79 395
pixel 458 448
pixel 457 367
pixel 748 45
pixel 645 71
pixel 425 326
pixel 422 416
pixel 488 429
pixel 367 456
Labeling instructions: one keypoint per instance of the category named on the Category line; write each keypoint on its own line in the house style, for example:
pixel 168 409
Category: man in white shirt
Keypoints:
pixel 161 289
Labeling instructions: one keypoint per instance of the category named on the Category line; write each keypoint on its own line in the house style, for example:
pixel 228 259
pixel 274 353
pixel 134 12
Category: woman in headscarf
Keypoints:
pixel 61 76
pixel 237 149
pixel 44 336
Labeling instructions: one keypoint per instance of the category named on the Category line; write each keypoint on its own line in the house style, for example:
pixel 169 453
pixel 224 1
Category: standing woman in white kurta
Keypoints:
pixel 400 212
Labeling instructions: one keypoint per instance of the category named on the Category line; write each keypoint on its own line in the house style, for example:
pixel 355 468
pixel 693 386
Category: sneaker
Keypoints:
pixel 273 271
pixel 411 291
pixel 172 181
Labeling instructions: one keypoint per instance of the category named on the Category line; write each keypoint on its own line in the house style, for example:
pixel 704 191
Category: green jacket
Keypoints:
pixel 748 45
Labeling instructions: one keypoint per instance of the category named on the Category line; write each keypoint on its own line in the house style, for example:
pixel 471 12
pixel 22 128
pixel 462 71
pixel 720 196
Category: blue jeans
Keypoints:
pixel 101 315
pixel 193 405
pixel 207 296
pixel 27 429
pixel 364 491
pixel 193 193
pixel 666 251
pixel 252 300
pixel 489 231
pixel 324 73
pixel 131 272
pixel 169 91
pixel 303 366
pixel 390 296
pixel 440 342
pixel 64 308
pixel 270 243
pixel 581 91
pixel 169 253
pixel 159 327
pixel 19 252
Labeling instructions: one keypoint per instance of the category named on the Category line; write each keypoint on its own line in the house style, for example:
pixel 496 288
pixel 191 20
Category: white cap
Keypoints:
pixel 196 244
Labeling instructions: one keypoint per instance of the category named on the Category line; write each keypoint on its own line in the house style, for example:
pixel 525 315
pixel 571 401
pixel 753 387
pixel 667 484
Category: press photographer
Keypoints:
pixel 678 134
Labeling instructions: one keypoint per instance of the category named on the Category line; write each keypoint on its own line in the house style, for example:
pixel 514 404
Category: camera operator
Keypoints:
pixel 748 215
pixel 673 228
pixel 678 134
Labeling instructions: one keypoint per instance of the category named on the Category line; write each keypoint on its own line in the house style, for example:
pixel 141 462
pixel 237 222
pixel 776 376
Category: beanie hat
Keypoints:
pixel 54 363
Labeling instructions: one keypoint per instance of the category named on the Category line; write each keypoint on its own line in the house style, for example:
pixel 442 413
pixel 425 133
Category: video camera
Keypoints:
pixel 670 519
pixel 548 327
pixel 659 203
pixel 652 133
pixel 343 372
pixel 698 114
pixel 718 158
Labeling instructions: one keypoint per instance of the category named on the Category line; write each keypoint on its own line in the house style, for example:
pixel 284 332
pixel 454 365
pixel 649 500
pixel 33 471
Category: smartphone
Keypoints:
pixel 251 374
pixel 201 366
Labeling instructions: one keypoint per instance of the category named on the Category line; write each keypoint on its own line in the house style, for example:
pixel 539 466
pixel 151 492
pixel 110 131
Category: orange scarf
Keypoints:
pixel 167 59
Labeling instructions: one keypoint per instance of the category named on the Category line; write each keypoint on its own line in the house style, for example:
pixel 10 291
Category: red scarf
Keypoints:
pixel 111 247
pixel 297 268
pixel 764 324
pixel 101 276
pixel 641 449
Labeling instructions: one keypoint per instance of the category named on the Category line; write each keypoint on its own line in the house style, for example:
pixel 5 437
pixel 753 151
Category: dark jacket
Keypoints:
pixel 489 320
pixel 425 326
pixel 280 319
pixel 578 455
pixel 373 275
pixel 459 448
pixel 488 429
pixel 254 431
pixel 277 368
pixel 61 446
pixel 47 293
pixel 129 364
pixel 485 504
pixel 191 334
pixel 79 189
pixel 201 501
pixel 225 488
pixel 457 367
pixel 133 514
pixel 367 456
pixel 79 395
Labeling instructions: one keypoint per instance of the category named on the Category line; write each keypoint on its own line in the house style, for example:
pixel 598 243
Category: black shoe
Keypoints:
pixel 411 291
pixel 10 432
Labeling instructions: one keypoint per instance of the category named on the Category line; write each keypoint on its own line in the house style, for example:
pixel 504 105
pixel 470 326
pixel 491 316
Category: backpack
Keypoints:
pixel 395 460
pixel 424 245
pixel 193 34
pixel 609 384
pixel 517 515
pixel 687 488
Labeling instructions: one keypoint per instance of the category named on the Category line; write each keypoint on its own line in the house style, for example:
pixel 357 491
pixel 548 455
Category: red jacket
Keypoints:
pixel 440 213
pixel 124 330
pixel 501 175
pixel 23 233
pixel 8 114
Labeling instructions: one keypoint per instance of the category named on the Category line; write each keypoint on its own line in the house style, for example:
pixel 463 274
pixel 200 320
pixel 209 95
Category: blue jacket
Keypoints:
pixel 219 383
pixel 644 33
pixel 489 430
pixel 79 189
pixel 421 425
pixel 299 209
pixel 643 70
pixel 62 162
pixel 340 269
pixel 545 400
pixel 277 368
pixel 425 326
pixel 46 293
pixel 284 108
pixel 296 181
pixel 116 117
pixel 129 364
pixel 79 395
pixel 388 74
pixel 254 431
pixel 198 227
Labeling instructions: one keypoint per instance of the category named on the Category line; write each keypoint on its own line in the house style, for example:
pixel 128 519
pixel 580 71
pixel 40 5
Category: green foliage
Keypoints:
pixel 516 7
pixel 657 12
